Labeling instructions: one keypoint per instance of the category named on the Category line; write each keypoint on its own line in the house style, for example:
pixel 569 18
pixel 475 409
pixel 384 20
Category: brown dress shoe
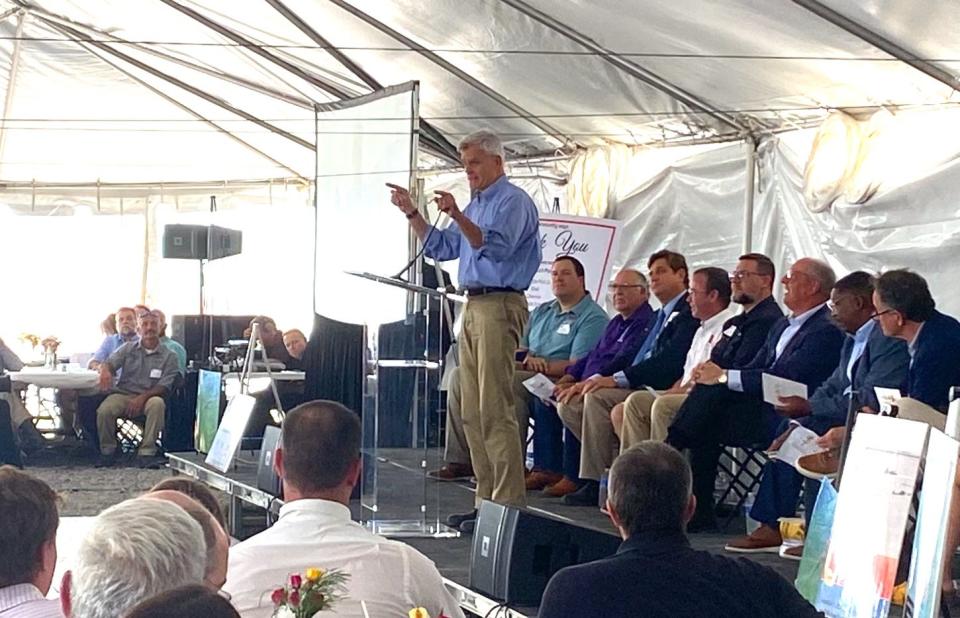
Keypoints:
pixel 452 472
pixel 539 479
pixel 561 488
pixel 819 465
pixel 762 540
pixel 794 552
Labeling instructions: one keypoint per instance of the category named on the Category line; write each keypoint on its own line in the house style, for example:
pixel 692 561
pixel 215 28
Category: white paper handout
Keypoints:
pixel 230 432
pixel 540 386
pixel 775 387
pixel 800 442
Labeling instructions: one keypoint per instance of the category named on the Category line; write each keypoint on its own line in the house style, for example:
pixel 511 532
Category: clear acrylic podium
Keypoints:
pixel 401 429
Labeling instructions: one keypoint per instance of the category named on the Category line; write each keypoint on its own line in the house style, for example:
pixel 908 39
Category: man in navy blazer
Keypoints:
pixel 655 573
pixel 868 359
pixel 727 407
pixel 658 364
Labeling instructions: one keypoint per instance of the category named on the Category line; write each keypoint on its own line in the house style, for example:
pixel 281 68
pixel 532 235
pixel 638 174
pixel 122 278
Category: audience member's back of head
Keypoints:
pixel 133 551
pixel 320 441
pixel 28 527
pixel 649 489
pixel 196 490
pixel 185 601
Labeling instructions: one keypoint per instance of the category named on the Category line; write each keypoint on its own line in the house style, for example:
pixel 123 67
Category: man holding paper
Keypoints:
pixel 726 406
pixel 868 359
pixel 657 364
pixel 556 450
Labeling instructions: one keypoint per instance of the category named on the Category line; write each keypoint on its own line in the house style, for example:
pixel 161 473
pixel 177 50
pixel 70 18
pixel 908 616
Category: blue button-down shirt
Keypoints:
pixel 110 345
pixel 555 334
pixel 510 254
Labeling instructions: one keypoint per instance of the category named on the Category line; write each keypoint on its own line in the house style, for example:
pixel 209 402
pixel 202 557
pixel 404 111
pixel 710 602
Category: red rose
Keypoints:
pixel 295 598
pixel 278 596
pixel 295 581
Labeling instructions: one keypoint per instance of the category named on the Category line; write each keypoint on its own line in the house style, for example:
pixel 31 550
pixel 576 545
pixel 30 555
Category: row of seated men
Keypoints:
pixel 186 565
pixel 690 373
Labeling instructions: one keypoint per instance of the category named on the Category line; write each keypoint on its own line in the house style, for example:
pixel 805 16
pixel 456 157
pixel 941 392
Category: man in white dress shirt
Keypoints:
pixel 645 417
pixel 28 545
pixel 318 461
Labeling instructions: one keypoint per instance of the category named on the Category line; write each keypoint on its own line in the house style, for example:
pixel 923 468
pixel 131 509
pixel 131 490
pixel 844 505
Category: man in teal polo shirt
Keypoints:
pixel 560 331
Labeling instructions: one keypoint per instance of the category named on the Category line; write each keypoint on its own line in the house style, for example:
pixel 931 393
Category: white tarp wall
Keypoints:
pixel 695 204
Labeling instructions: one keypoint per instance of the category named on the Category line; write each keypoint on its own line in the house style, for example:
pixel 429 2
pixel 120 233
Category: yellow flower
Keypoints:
pixel 313 574
pixel 418 612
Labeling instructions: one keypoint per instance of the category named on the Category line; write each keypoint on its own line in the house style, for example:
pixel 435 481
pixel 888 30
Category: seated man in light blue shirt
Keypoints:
pixel 126 332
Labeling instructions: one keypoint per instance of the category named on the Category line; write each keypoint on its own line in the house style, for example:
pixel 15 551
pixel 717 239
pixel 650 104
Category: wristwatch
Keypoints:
pixel 723 377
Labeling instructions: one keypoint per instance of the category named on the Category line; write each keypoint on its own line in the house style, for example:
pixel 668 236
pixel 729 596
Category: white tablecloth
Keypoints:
pixel 45 378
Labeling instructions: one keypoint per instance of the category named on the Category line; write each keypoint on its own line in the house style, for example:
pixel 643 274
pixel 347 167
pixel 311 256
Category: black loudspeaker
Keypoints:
pixel 193 331
pixel 200 242
pixel 516 552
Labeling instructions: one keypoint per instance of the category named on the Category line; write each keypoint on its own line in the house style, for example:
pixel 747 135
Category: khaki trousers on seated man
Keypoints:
pixel 648 418
pixel 114 407
pixel 456 451
pixel 589 419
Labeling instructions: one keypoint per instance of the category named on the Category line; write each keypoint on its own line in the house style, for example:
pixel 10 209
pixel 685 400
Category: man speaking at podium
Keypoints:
pixel 496 238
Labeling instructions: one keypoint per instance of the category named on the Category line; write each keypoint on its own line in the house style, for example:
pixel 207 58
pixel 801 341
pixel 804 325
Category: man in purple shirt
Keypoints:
pixel 556 451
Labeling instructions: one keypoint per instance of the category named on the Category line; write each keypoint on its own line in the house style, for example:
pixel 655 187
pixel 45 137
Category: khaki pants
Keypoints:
pixel 589 419
pixel 646 418
pixel 114 407
pixel 492 325
pixel 456 450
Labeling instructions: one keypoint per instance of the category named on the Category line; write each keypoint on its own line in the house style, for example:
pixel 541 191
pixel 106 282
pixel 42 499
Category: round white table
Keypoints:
pixel 78 379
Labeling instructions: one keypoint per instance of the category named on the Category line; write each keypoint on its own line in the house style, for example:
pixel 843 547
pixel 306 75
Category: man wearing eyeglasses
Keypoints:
pixel 727 407
pixel 741 336
pixel 869 359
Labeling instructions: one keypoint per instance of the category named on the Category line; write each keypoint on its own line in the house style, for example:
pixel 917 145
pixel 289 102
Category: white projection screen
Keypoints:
pixel 362 144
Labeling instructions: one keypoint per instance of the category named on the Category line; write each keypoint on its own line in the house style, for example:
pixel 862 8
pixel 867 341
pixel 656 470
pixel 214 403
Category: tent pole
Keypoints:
pixel 882 43
pixel 451 68
pixel 12 80
pixel 751 147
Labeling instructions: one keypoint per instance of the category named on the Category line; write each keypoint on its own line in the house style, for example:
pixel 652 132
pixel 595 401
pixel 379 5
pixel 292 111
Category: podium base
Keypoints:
pixel 403 528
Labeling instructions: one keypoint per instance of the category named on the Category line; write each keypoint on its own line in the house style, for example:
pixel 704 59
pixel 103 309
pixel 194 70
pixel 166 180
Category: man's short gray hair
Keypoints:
pixel 487 140
pixel 650 487
pixel 135 550
pixel 640 277
pixel 824 275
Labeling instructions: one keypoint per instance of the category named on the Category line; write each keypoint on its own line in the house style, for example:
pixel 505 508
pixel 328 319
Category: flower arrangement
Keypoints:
pixel 30 338
pixel 50 344
pixel 419 612
pixel 305 595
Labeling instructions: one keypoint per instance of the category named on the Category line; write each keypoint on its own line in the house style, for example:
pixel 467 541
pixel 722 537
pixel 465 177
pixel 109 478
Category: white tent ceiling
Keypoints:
pixel 126 91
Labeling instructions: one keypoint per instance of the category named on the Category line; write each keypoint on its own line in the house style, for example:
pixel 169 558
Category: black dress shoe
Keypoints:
pixel 468 525
pixel 31 440
pixel 456 520
pixel 588 495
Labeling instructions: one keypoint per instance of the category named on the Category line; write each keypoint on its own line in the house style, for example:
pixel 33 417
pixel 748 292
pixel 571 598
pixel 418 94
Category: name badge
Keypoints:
pixel 730 331
pixel 155 373
pixel 564 329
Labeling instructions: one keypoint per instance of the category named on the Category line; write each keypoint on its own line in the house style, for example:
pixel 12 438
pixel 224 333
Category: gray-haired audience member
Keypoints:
pixel 133 551
pixel 656 573
pixel 28 545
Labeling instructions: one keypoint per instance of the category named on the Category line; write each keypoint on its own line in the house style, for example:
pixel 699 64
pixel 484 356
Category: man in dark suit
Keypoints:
pixel 658 364
pixel 727 407
pixel 655 573
pixel 868 359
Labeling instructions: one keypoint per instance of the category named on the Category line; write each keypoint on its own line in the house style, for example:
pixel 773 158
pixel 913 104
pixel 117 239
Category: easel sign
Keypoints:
pixel 929 541
pixel 230 432
pixel 879 479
